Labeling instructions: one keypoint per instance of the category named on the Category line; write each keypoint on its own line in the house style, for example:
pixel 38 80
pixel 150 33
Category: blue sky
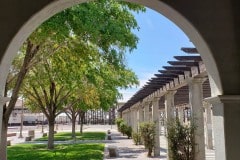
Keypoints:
pixel 159 40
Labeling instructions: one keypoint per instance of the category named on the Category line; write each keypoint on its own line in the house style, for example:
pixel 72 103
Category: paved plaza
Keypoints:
pixel 126 148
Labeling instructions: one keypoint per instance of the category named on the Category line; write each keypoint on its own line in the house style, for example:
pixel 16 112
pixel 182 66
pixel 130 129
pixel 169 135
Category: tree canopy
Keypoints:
pixel 80 58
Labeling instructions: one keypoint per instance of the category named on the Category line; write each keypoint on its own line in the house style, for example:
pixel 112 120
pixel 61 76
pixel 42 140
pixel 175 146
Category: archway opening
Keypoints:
pixel 162 8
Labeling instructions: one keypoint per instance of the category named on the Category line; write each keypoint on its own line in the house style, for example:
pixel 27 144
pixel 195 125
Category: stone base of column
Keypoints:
pixel 226 119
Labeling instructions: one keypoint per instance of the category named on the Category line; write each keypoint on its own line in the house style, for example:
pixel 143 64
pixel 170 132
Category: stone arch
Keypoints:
pixel 213 27
pixel 169 10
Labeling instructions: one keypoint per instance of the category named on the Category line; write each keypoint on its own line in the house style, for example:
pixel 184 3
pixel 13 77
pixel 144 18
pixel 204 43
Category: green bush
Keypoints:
pixel 123 127
pixel 180 140
pixel 136 138
pixel 128 131
pixel 147 131
pixel 118 121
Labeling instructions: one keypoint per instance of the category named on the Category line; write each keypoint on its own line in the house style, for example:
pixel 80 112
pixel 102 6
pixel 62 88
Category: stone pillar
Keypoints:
pixel 123 116
pixel 164 123
pixel 226 128
pixel 129 117
pixel 146 112
pixel 181 114
pixel 155 115
pixel 140 114
pixel 150 106
pixel 169 105
pixel 135 119
pixel 169 111
pixel 208 124
pixel 196 105
pixel 3 101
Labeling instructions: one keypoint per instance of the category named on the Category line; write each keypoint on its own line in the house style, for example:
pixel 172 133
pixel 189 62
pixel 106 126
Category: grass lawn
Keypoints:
pixel 61 152
pixel 64 136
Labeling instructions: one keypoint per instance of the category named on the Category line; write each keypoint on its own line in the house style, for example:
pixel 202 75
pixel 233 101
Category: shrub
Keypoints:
pixel 128 131
pixel 180 140
pixel 136 138
pixel 147 131
pixel 123 127
pixel 118 121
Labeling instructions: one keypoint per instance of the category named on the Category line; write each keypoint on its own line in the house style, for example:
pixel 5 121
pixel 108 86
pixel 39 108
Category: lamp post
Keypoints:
pixel 21 126
pixel 42 123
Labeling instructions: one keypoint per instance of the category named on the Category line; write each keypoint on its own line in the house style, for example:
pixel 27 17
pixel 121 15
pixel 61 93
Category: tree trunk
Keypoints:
pixel 3 145
pixel 51 134
pixel 149 153
pixel 81 114
pixel 73 126
pixel 81 127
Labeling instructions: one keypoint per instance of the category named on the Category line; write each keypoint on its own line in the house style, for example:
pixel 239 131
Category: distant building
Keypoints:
pixel 29 118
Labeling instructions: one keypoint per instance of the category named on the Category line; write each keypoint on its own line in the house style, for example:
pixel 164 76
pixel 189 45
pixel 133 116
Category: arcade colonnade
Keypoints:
pixel 181 90
pixel 212 26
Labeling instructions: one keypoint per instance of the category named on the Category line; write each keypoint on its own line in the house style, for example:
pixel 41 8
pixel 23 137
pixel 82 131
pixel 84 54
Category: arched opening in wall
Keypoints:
pixel 8 58
pixel 165 9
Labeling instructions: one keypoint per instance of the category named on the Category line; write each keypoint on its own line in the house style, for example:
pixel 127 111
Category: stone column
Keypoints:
pixel 135 119
pixel 140 114
pixel 181 114
pixel 226 127
pixel 3 101
pixel 150 115
pixel 146 112
pixel 169 111
pixel 208 124
pixel 164 122
pixel 196 105
pixel 123 116
pixel 129 117
pixel 155 115
pixel 161 125
pixel 169 105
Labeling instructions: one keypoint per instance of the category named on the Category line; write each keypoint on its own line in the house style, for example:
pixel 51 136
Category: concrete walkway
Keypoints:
pixel 126 148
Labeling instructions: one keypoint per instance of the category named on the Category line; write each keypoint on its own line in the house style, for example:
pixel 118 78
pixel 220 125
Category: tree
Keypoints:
pixel 43 92
pixel 13 84
pixel 107 24
pixel 55 83
pixel 86 98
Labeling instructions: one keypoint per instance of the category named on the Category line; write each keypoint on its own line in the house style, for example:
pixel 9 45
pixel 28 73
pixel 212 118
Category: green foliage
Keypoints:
pixel 65 136
pixel 84 47
pixel 125 129
pixel 180 140
pixel 108 24
pixel 61 152
pixel 136 138
pixel 128 131
pixel 147 131
pixel 118 121
pixel 80 50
